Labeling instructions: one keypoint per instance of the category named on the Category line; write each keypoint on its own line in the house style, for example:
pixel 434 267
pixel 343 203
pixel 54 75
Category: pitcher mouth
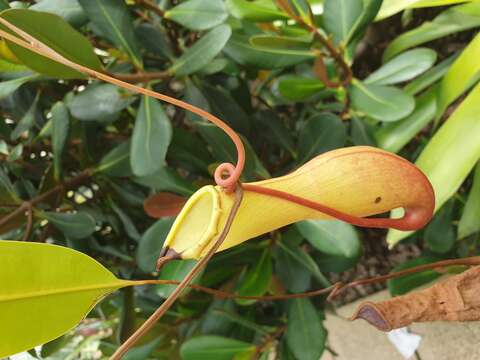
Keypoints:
pixel 196 225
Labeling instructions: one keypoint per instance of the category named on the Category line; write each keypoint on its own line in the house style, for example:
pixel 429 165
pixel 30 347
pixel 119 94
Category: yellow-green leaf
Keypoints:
pixel 46 290
pixel 391 7
pixel 457 139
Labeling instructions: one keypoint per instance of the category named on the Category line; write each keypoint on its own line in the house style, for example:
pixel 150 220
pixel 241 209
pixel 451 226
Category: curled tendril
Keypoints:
pixel 226 175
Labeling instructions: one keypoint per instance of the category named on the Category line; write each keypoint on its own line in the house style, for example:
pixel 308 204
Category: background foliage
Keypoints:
pixel 295 79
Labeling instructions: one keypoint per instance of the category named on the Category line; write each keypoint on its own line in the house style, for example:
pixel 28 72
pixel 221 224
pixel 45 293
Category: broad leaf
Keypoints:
pixel 27 121
pixel 198 14
pixel 297 88
pixel 382 103
pixel 456 139
pixel 259 10
pixel 214 348
pixel 56 33
pixel 70 10
pixel 117 161
pixel 164 205
pixel 41 281
pixel 151 243
pixel 321 133
pixel 60 126
pixel 10 86
pixel 112 19
pixel 77 225
pixel 452 20
pixel 305 334
pixel 391 7
pixel 175 270
pixel 440 235
pixel 202 52
pixel 340 16
pixel 166 179
pixel 469 222
pixel 256 280
pixel 283 45
pixel 151 137
pixel 403 67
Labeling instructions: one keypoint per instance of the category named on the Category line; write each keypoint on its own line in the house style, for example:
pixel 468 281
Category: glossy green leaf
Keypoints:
pixel 154 40
pixel 362 133
pixel 369 12
pixel 394 136
pixel 452 20
pixel 214 348
pixel 240 50
pixel 383 103
pixel 298 88
pixel 283 45
pixel 143 352
pixel 340 16
pixel 112 19
pixel 202 52
pixel 456 139
pixel 405 66
pixel 98 102
pixel 440 235
pixel 117 161
pixel 151 243
pixel 305 333
pixel 70 10
pixel 391 7
pixel 27 121
pixel 60 127
pixel 331 237
pixel 166 179
pixel 151 137
pixel 56 33
pixel 470 220
pixel 77 225
pixel 404 284
pixel 258 10
pixel 198 14
pixel 275 126
pixel 256 280
pixel 41 281
pixel 10 86
pixel 321 133
pixel 461 76
pixel 175 270
pixel 4 5
pixel 128 225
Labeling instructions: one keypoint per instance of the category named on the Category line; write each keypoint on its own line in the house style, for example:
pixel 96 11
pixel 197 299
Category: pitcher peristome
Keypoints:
pixel 361 181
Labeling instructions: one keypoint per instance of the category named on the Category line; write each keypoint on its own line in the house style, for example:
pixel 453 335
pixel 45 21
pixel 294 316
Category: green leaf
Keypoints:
pixel 321 133
pixel 305 334
pixel 391 7
pixel 128 225
pixel 340 16
pixel 275 126
pixel 42 281
pixel 440 235
pixel 258 11
pixel 461 76
pixel 70 10
pixel 331 237
pixel 151 137
pixel 27 121
pixel 240 50
pixel 117 161
pixel 202 52
pixel 452 20
pixel 198 14
pixel 4 5
pixel 166 179
pixel 112 19
pixel 370 11
pixel 175 270
pixel 77 225
pixel 298 88
pixel 214 348
pixel 469 222
pixel 405 66
pixel 98 102
pixel 60 126
pixel 154 40
pixel 283 45
pixel 56 33
pixel 394 136
pixel 362 133
pixel 143 352
pixel 151 244
pixel 194 96
pixel 404 284
pixel 53 346
pixel 10 86
pixel 456 139
pixel 383 103
pixel 291 272
pixel 256 280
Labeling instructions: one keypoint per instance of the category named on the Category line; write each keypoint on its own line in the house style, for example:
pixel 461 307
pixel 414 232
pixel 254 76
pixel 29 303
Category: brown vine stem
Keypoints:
pixel 26 207
pixel 152 320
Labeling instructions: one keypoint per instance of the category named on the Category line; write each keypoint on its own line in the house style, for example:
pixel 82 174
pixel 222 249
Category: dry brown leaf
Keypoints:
pixel 164 204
